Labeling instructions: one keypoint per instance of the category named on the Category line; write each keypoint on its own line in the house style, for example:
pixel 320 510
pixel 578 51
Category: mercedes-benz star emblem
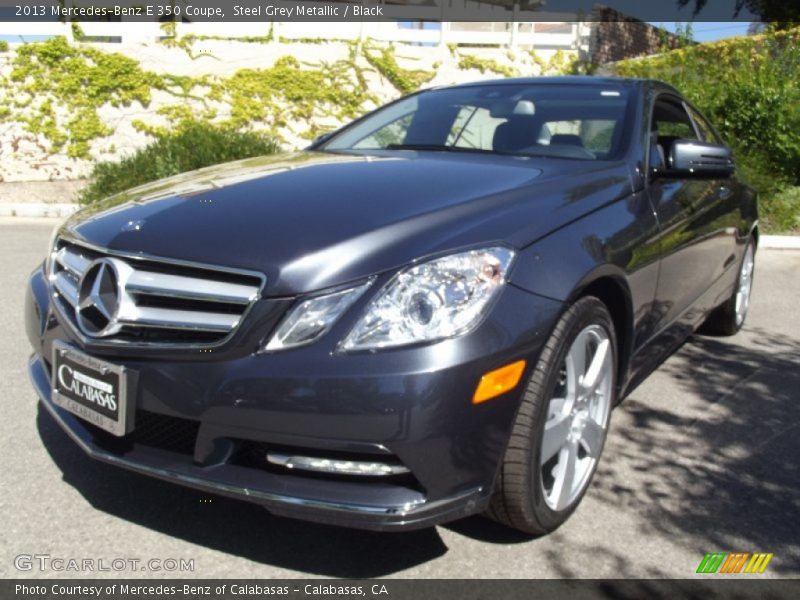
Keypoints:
pixel 98 299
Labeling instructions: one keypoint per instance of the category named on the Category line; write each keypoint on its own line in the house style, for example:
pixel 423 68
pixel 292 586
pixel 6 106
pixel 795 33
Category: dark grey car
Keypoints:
pixel 427 314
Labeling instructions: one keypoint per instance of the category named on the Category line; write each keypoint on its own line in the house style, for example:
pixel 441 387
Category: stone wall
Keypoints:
pixel 28 156
pixel 616 37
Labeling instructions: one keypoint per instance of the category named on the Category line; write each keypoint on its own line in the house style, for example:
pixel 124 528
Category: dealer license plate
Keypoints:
pixel 92 389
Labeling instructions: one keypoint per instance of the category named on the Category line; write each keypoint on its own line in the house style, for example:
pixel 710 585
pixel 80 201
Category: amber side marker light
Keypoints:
pixel 498 382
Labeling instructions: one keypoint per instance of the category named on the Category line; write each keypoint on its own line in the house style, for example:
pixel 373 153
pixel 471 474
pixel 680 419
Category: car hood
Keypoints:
pixel 314 220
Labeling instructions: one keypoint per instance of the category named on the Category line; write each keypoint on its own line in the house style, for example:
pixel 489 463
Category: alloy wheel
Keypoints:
pixel 577 418
pixel 745 286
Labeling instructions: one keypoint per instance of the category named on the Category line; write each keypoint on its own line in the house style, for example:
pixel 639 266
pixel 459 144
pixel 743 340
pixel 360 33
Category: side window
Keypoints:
pixel 670 122
pixel 706 133
pixel 670 119
pixel 473 127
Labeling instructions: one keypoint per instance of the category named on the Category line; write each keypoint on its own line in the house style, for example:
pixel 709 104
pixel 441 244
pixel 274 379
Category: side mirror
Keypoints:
pixel 692 158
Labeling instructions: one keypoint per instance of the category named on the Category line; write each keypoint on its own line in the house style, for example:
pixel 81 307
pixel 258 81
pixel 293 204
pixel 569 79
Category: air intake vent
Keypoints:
pixel 126 299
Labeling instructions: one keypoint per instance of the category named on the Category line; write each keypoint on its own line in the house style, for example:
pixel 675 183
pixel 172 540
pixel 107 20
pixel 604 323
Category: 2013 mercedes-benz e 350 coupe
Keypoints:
pixel 429 313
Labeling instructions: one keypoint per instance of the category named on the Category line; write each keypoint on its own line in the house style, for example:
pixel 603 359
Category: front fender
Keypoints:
pixel 617 241
pixel 612 253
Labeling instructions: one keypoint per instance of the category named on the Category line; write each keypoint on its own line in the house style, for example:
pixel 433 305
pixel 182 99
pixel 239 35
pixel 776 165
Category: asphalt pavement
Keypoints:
pixel 702 457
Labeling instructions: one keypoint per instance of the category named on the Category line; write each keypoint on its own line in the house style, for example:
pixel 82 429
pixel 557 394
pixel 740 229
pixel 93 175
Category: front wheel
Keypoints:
pixel 562 423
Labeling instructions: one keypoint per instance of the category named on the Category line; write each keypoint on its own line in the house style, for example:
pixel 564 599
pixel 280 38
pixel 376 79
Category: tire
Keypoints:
pixel 729 317
pixel 527 495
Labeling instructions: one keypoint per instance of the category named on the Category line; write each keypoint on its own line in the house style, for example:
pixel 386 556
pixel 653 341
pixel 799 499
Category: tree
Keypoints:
pixel 784 14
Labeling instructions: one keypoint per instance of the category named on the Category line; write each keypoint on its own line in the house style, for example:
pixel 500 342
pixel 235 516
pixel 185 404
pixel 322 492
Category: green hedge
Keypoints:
pixel 192 146
pixel 750 89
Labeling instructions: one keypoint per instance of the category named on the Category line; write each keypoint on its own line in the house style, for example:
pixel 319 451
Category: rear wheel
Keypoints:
pixel 561 426
pixel 729 318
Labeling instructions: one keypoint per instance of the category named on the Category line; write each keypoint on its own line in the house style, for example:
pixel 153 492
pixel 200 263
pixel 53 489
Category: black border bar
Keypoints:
pixel 387 10
pixel 705 587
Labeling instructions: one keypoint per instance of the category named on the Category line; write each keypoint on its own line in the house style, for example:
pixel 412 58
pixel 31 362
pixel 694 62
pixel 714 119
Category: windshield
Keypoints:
pixel 558 120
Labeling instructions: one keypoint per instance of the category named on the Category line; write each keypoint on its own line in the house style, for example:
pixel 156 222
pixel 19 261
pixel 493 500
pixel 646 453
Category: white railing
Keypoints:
pixel 499 34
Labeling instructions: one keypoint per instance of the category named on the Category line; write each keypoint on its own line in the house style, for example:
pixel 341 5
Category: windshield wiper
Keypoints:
pixel 446 148
pixel 436 148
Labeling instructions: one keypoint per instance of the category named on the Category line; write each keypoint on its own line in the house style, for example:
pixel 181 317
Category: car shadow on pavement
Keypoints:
pixel 233 526
pixel 717 462
pixel 485 530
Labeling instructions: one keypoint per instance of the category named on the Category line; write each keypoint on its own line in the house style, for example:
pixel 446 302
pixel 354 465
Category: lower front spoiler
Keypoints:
pixel 362 516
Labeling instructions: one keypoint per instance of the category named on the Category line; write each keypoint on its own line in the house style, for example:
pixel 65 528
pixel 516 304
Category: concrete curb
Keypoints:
pixel 62 210
pixel 36 209
pixel 779 242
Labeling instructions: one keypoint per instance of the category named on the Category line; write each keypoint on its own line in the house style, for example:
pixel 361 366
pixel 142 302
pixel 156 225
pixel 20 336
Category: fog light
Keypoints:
pixel 340 467
pixel 498 382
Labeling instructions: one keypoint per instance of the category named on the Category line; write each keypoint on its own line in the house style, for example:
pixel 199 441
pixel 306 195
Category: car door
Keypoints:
pixel 696 241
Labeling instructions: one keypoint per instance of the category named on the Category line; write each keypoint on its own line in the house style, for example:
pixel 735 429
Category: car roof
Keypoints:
pixel 571 80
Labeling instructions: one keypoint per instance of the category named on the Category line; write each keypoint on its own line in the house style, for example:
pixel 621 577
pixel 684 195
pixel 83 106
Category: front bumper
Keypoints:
pixel 409 405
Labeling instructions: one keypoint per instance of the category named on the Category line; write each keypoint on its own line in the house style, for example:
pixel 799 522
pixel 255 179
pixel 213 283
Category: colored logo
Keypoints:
pixel 734 562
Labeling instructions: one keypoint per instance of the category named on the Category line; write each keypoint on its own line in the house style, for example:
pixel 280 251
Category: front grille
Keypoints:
pixel 165 432
pixel 153 430
pixel 156 301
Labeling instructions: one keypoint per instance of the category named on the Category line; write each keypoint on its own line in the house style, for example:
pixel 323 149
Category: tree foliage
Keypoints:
pixel 192 146
pixel 783 12
pixel 750 89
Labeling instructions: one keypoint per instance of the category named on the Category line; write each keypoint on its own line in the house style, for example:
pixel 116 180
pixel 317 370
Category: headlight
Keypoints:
pixel 313 318
pixel 434 300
